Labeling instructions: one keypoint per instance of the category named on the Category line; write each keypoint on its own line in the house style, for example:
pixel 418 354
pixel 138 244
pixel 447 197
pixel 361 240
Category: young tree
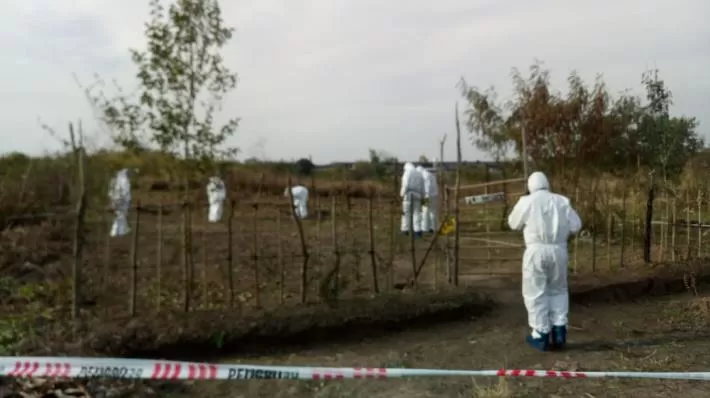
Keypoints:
pixel 485 121
pixel 667 143
pixel 182 81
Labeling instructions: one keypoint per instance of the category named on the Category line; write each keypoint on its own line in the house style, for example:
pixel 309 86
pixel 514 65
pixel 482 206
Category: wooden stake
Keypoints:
pixel 280 260
pixel 255 257
pixel 77 251
pixel 203 273
pixel 336 248
pixel 304 247
pixel 230 253
pixel 159 259
pixel 673 229
pixel 134 262
pixel 371 233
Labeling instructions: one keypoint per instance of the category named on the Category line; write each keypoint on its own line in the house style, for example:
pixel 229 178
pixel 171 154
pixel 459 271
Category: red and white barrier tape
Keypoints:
pixel 79 368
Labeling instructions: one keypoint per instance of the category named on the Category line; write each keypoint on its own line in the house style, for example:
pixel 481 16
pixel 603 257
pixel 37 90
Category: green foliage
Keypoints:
pixel 182 82
pixel 585 131
pixel 17 327
pixel 382 164
pixel 304 167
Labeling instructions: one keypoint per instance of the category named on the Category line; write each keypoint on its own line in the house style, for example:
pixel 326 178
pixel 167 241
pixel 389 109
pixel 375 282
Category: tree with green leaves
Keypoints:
pixel 667 142
pixel 485 121
pixel 182 81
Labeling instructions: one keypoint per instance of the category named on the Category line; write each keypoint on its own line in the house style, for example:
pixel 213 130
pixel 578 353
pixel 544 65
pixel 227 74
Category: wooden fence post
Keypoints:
pixel 336 248
pixel 412 243
pixel 134 261
pixel 623 227
pixel 230 253
pixel 700 222
pixel 371 233
pixel 280 260
pixel 185 258
pixel 203 271
pixel 78 229
pixel 673 227
pixel 159 259
pixel 255 255
pixel 576 238
pixel 649 223
pixel 304 247
pixel 594 231
pixel 457 232
pixel 687 224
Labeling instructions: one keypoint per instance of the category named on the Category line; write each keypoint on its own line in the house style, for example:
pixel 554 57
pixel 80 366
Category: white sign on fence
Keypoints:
pixel 486 198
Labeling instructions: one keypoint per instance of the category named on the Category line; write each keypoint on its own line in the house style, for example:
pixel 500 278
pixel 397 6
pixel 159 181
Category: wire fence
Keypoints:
pixel 262 256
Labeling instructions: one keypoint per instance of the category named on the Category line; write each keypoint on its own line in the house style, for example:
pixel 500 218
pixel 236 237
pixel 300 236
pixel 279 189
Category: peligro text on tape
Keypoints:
pixel 82 368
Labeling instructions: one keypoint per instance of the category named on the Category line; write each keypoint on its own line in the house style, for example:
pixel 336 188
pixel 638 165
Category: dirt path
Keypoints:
pixel 668 334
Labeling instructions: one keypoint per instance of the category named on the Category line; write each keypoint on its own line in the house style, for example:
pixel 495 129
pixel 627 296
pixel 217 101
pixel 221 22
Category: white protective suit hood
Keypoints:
pixel 408 167
pixel 538 181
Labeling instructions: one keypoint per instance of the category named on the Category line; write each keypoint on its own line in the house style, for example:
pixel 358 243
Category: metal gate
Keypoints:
pixel 486 244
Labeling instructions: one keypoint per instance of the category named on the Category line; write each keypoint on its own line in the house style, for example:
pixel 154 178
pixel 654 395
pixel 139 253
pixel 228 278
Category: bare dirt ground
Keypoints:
pixel 661 334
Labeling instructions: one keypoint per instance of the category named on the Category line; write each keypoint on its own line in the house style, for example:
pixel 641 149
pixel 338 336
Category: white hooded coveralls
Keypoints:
pixel 300 200
pixel 216 194
pixel 548 220
pixel 119 195
pixel 431 192
pixel 412 192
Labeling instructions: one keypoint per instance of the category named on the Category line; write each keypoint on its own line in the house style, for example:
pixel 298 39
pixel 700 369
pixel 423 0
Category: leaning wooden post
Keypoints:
pixel 371 233
pixel 134 261
pixel 304 247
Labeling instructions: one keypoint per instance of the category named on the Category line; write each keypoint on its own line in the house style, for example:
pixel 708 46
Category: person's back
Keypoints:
pixel 412 181
pixel 547 217
pixel 548 221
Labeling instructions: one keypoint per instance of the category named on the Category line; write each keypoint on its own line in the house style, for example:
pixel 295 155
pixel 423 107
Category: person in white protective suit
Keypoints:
pixel 412 192
pixel 119 195
pixel 548 220
pixel 216 194
pixel 431 194
pixel 300 200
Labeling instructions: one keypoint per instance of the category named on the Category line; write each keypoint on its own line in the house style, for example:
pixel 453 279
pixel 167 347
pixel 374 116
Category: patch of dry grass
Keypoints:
pixel 500 389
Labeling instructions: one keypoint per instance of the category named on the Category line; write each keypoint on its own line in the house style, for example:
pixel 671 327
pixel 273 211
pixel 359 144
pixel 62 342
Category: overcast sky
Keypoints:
pixel 332 78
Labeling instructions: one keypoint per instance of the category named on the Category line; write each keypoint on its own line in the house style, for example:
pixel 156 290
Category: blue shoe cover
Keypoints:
pixel 558 336
pixel 418 234
pixel 540 344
